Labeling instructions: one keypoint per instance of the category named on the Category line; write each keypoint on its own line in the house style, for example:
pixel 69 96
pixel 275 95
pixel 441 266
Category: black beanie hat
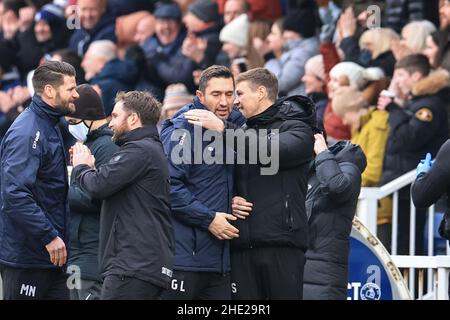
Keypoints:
pixel 302 21
pixel 89 105
pixel 205 10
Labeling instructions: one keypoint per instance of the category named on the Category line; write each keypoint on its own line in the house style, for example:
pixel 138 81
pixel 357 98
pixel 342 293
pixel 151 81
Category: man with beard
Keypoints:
pixel 136 245
pixel 201 194
pixel 268 257
pixel 34 216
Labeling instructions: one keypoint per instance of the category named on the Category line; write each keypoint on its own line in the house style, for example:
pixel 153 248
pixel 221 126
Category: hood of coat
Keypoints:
pixel 345 151
pixel 433 83
pixel 289 108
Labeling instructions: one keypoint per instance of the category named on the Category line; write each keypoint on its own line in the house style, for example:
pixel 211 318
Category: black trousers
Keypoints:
pixel 189 285
pixel 34 284
pixel 90 290
pixel 267 273
pixel 116 287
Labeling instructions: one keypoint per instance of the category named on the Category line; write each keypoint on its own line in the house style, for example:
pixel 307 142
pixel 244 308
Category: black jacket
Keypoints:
pixel 429 187
pixel 334 186
pixel 278 217
pixel 136 234
pixel 419 127
pixel 85 211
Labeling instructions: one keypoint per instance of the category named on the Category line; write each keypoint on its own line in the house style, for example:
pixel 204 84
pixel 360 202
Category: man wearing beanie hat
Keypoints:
pixel 234 37
pixel 87 124
pixel 301 43
pixel 176 96
pixel 205 10
pixel 50 29
pixel 203 23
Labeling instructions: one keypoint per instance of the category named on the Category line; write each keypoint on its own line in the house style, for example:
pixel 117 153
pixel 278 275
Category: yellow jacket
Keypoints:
pixel 372 136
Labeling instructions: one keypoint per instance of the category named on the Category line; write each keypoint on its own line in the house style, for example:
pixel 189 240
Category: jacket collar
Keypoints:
pixel 147 131
pixel 44 110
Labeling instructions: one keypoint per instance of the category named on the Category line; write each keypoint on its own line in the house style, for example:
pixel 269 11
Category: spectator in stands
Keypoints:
pixel 414 36
pixel 144 29
pixel 347 74
pixel 333 188
pixel 234 37
pixel 87 124
pixel 398 13
pixel 272 48
pixel 96 24
pixel 373 50
pixel 301 43
pixel 315 86
pixel 437 49
pixel 420 126
pixel 175 97
pixel 444 14
pixel 166 63
pixel 235 8
pixel 202 44
pixel 104 69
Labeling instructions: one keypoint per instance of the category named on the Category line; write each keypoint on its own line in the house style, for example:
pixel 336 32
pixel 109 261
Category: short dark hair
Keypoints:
pixel 143 103
pixel 414 63
pixel 214 72
pixel 261 77
pixel 52 73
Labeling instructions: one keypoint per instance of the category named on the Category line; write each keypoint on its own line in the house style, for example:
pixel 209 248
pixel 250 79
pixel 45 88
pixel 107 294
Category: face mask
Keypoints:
pixel 79 131
pixel 365 57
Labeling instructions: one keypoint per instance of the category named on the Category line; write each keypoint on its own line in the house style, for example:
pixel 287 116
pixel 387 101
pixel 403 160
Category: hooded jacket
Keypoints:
pixel 197 193
pixel 334 185
pixel 85 211
pixel 278 218
pixel 419 127
pixel 136 233
pixel 34 185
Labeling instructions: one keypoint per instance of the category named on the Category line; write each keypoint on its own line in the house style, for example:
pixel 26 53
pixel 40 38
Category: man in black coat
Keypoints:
pixel 136 234
pixel 87 124
pixel 268 257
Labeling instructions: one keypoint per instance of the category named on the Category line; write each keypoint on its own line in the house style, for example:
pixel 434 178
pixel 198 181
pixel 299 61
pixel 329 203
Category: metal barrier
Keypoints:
pixel 436 267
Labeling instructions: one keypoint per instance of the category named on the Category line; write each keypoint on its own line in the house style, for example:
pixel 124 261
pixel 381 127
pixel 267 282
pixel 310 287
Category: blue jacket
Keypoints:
pixel 34 188
pixel 167 64
pixel 197 192
pixel 105 29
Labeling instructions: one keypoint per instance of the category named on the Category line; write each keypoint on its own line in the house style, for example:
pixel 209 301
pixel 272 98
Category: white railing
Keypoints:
pixel 437 266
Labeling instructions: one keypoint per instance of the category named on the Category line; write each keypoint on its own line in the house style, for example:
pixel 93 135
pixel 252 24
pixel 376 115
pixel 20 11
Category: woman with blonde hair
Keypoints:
pixel 414 36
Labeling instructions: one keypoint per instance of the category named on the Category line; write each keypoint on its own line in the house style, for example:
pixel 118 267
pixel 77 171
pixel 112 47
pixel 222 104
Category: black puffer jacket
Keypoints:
pixel 278 217
pixel 334 186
